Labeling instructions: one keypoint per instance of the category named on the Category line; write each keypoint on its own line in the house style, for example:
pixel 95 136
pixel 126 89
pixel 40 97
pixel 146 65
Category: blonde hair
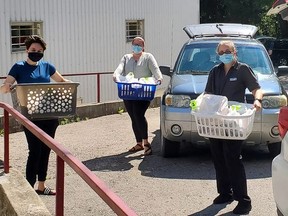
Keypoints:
pixel 140 39
pixel 228 43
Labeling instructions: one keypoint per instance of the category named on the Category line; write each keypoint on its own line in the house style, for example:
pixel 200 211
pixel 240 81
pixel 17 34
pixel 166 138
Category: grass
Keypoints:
pixel 65 121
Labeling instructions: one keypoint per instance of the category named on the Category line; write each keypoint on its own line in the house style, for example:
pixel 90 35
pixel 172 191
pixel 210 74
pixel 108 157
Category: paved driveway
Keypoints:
pixel 150 185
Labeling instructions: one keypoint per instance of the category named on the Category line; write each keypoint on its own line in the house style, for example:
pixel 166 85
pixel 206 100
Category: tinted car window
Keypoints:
pixel 197 58
pixel 201 58
pixel 280 52
pixel 256 58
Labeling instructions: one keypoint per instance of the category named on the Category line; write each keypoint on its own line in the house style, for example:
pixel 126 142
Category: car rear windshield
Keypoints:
pixel 201 58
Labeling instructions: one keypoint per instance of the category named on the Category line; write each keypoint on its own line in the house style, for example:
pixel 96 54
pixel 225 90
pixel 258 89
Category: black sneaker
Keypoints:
pixel 243 207
pixel 223 198
pixel 1 164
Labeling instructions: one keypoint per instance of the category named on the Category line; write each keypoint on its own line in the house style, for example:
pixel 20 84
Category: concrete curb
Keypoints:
pixel 86 111
pixel 17 197
pixel 109 108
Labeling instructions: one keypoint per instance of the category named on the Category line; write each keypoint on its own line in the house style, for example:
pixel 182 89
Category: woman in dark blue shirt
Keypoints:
pixel 35 70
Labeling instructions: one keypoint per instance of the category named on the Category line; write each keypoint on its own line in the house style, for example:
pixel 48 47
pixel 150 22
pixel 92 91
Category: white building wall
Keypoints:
pixel 89 35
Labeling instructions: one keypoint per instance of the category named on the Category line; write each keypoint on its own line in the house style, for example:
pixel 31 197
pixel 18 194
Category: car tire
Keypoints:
pixel 274 149
pixel 169 148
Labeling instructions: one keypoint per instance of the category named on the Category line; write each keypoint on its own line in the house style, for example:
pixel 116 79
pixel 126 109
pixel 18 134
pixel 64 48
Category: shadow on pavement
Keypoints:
pixel 212 210
pixel 119 162
pixel 195 162
pixel 192 163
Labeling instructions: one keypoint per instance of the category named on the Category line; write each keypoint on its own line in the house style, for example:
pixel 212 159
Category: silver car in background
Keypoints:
pixel 189 77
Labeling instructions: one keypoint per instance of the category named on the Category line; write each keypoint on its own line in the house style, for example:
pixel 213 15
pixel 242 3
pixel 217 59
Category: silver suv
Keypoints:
pixel 188 80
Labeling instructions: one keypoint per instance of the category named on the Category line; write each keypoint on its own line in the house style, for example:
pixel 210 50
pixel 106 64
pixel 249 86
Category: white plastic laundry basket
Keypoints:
pixel 223 126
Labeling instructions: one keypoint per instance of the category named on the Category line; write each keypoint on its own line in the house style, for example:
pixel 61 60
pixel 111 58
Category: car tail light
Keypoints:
pixel 283 121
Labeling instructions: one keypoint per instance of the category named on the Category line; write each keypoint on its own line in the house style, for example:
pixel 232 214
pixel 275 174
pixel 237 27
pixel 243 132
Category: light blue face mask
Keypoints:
pixel 136 49
pixel 226 58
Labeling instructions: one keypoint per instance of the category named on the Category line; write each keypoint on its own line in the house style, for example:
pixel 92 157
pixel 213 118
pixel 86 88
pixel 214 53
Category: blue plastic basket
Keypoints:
pixel 136 91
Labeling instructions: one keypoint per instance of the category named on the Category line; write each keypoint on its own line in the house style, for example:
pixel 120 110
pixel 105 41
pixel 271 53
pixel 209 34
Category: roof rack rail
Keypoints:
pixel 220 29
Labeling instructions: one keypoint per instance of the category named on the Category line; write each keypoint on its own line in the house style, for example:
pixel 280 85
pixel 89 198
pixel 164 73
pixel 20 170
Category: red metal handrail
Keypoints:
pixel 98 80
pixel 63 155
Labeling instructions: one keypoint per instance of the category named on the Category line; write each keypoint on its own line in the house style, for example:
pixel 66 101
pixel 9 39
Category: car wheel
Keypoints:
pixel 274 149
pixel 169 148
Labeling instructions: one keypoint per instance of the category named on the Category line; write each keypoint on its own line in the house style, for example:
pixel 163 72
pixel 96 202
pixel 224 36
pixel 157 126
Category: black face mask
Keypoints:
pixel 35 56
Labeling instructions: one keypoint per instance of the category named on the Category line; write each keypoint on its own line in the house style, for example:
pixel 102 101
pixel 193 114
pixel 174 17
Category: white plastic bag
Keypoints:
pixel 121 78
pixel 147 80
pixel 129 78
pixel 211 104
pixel 242 109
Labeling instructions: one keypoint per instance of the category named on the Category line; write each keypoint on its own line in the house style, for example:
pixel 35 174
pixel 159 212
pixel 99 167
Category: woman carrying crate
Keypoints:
pixel 230 79
pixel 35 71
pixel 142 65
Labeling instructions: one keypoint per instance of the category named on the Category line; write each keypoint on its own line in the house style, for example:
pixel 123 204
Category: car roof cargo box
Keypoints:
pixel 220 29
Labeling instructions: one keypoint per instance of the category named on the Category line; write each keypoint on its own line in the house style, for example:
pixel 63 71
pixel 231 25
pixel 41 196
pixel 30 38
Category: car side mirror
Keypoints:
pixel 282 70
pixel 166 70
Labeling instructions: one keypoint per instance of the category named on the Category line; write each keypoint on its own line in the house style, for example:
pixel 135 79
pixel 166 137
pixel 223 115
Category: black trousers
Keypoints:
pixel 136 110
pixel 38 156
pixel 230 171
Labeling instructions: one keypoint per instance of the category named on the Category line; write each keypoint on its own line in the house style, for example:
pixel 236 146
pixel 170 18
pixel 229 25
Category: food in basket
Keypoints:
pixel 130 88
pixel 129 78
pixel 236 124
pixel 136 91
pixel 210 104
pixel 147 80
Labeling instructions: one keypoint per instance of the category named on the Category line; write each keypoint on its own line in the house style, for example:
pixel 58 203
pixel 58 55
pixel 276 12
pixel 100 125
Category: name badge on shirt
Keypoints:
pixel 233 79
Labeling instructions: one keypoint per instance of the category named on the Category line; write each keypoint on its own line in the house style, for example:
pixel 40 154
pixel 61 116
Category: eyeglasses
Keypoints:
pixel 224 52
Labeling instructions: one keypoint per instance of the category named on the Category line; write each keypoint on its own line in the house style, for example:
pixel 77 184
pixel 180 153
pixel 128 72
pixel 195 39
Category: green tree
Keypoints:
pixel 212 11
pixel 269 25
pixel 243 11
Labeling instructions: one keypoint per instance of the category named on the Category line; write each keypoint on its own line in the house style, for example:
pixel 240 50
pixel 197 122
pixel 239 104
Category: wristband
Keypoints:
pixel 260 100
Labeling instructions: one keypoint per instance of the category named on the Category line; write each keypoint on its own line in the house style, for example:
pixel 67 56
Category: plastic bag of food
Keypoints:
pixel 147 80
pixel 210 104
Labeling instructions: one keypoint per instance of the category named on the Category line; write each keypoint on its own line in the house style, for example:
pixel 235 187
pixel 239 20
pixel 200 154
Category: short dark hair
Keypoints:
pixel 34 39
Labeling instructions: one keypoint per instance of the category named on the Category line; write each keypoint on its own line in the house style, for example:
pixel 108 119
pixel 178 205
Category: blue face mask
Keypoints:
pixel 226 58
pixel 136 49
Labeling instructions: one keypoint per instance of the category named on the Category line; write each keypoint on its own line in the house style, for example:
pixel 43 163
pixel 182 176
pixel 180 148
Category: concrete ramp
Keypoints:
pixel 18 198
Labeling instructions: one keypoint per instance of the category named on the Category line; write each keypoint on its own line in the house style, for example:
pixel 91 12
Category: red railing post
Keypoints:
pixel 98 88
pixel 6 141
pixel 60 187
